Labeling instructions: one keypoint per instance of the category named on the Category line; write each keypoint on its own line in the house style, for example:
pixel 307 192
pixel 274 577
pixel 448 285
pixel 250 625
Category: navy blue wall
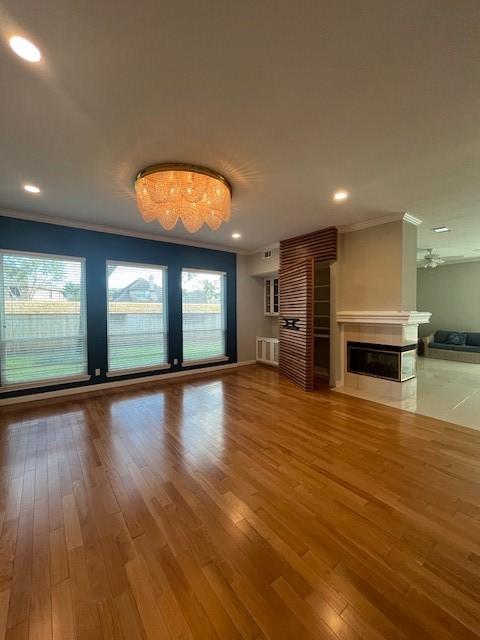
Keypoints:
pixel 97 248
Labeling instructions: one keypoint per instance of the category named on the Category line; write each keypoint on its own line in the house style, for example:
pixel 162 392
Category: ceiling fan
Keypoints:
pixel 431 260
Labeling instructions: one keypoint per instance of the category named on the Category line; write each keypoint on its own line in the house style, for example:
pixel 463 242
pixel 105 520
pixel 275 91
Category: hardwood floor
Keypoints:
pixel 236 506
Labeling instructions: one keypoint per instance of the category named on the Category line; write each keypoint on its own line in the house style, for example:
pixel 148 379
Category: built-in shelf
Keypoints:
pixel 321 334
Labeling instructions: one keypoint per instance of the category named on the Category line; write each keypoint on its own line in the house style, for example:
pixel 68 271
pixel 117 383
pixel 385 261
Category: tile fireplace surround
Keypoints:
pixel 394 328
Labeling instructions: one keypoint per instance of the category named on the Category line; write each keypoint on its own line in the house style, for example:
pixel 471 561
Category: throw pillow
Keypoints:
pixel 456 338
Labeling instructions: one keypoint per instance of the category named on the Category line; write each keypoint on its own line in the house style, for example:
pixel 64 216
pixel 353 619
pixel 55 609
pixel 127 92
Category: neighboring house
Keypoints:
pixel 140 290
pixel 49 294
pixel 41 294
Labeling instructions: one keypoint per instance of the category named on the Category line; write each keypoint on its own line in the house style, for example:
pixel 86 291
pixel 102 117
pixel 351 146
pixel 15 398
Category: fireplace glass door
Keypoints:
pixel 382 361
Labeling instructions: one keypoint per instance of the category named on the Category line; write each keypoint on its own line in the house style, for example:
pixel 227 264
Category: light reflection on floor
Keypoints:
pixel 194 413
pixel 204 421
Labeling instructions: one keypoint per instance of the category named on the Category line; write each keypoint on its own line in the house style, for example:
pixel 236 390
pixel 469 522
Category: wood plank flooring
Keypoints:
pixel 236 506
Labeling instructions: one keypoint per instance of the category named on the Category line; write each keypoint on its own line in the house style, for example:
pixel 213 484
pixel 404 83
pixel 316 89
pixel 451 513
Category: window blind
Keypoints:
pixel 203 315
pixel 137 316
pixel 42 318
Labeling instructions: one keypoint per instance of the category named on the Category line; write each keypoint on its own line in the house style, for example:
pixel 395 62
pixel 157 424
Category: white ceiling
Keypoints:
pixel 289 100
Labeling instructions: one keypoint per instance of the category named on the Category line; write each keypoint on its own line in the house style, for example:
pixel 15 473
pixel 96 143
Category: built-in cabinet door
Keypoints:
pixel 296 323
pixel 276 306
pixel 267 290
pixel 271 296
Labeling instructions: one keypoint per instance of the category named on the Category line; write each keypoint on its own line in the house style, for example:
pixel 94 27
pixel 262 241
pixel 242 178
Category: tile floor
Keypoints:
pixel 445 390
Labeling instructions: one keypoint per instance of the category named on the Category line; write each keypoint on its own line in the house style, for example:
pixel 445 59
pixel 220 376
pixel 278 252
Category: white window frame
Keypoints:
pixel 220 358
pixel 48 382
pixel 114 373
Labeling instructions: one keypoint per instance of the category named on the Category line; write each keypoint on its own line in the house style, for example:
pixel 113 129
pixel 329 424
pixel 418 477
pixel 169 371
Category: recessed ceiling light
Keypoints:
pixel 25 49
pixel 338 196
pixel 31 188
pixel 440 229
pixel 236 236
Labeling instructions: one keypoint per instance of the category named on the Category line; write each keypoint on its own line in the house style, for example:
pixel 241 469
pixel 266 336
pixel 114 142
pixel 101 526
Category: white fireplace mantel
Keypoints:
pixel 402 318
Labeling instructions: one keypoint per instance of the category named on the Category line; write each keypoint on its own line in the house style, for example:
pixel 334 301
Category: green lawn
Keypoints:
pixel 27 368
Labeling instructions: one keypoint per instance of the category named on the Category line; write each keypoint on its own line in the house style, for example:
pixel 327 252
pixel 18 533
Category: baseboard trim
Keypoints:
pixel 165 377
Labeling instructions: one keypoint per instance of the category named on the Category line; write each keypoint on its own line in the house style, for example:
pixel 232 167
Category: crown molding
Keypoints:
pixel 409 218
pixel 365 224
pixel 75 224
pixel 384 317
pixel 375 222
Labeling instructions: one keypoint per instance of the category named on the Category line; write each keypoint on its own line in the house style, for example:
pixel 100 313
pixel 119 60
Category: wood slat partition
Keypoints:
pixel 319 245
pixel 296 346
pixel 297 258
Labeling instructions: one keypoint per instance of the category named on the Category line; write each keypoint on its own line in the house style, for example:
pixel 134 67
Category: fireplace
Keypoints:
pixel 390 362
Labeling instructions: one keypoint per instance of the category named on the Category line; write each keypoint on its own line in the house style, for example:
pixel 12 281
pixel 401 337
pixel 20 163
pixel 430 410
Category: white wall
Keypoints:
pixel 251 321
pixel 260 266
pixel 271 327
pixel 377 268
pixel 452 295
pixel 370 265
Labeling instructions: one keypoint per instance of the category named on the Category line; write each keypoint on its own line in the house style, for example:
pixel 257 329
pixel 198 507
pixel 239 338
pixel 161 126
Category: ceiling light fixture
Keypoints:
pixel 432 260
pixel 236 235
pixel 338 196
pixel 25 49
pixel 440 229
pixel 31 188
pixel 196 195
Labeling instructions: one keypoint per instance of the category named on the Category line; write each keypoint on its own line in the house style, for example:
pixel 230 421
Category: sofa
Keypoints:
pixel 461 346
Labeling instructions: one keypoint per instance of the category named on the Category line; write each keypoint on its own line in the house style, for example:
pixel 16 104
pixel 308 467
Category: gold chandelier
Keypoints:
pixel 167 192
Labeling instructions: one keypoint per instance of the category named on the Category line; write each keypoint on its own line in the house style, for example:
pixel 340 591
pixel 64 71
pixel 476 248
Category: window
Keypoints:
pixel 203 311
pixel 137 317
pixel 42 318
